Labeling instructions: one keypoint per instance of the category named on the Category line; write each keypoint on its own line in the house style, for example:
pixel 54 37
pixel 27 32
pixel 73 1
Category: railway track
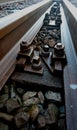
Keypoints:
pixel 16 25
pixel 74 2
pixel 8 8
pixel 61 75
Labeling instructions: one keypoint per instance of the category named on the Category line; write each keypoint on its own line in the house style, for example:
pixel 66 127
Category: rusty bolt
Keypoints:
pixel 46 48
pixel 59 49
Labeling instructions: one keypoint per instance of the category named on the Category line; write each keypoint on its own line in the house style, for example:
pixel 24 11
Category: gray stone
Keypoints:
pixel 20 91
pixel 21 119
pixel 51 114
pixel 3 126
pixel 34 112
pixel 41 121
pixel 12 105
pixel 53 96
pixel 3 99
pixel 61 124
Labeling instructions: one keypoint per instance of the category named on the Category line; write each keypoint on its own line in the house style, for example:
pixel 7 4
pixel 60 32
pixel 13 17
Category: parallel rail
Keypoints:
pixel 69 38
pixel 68 35
pixel 13 31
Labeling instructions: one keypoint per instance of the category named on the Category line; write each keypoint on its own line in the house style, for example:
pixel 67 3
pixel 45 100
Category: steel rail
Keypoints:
pixel 70 71
pixel 71 16
pixel 7 62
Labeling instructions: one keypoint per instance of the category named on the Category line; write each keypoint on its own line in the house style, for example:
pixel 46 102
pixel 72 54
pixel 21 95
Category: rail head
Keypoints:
pixel 71 8
pixel 71 16
pixel 70 70
pixel 10 22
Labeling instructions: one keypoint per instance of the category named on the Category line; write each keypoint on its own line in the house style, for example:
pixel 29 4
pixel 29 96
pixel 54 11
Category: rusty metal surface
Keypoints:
pixel 46 80
pixel 47 61
pixel 12 41
pixel 56 83
pixel 11 38
pixel 6 76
